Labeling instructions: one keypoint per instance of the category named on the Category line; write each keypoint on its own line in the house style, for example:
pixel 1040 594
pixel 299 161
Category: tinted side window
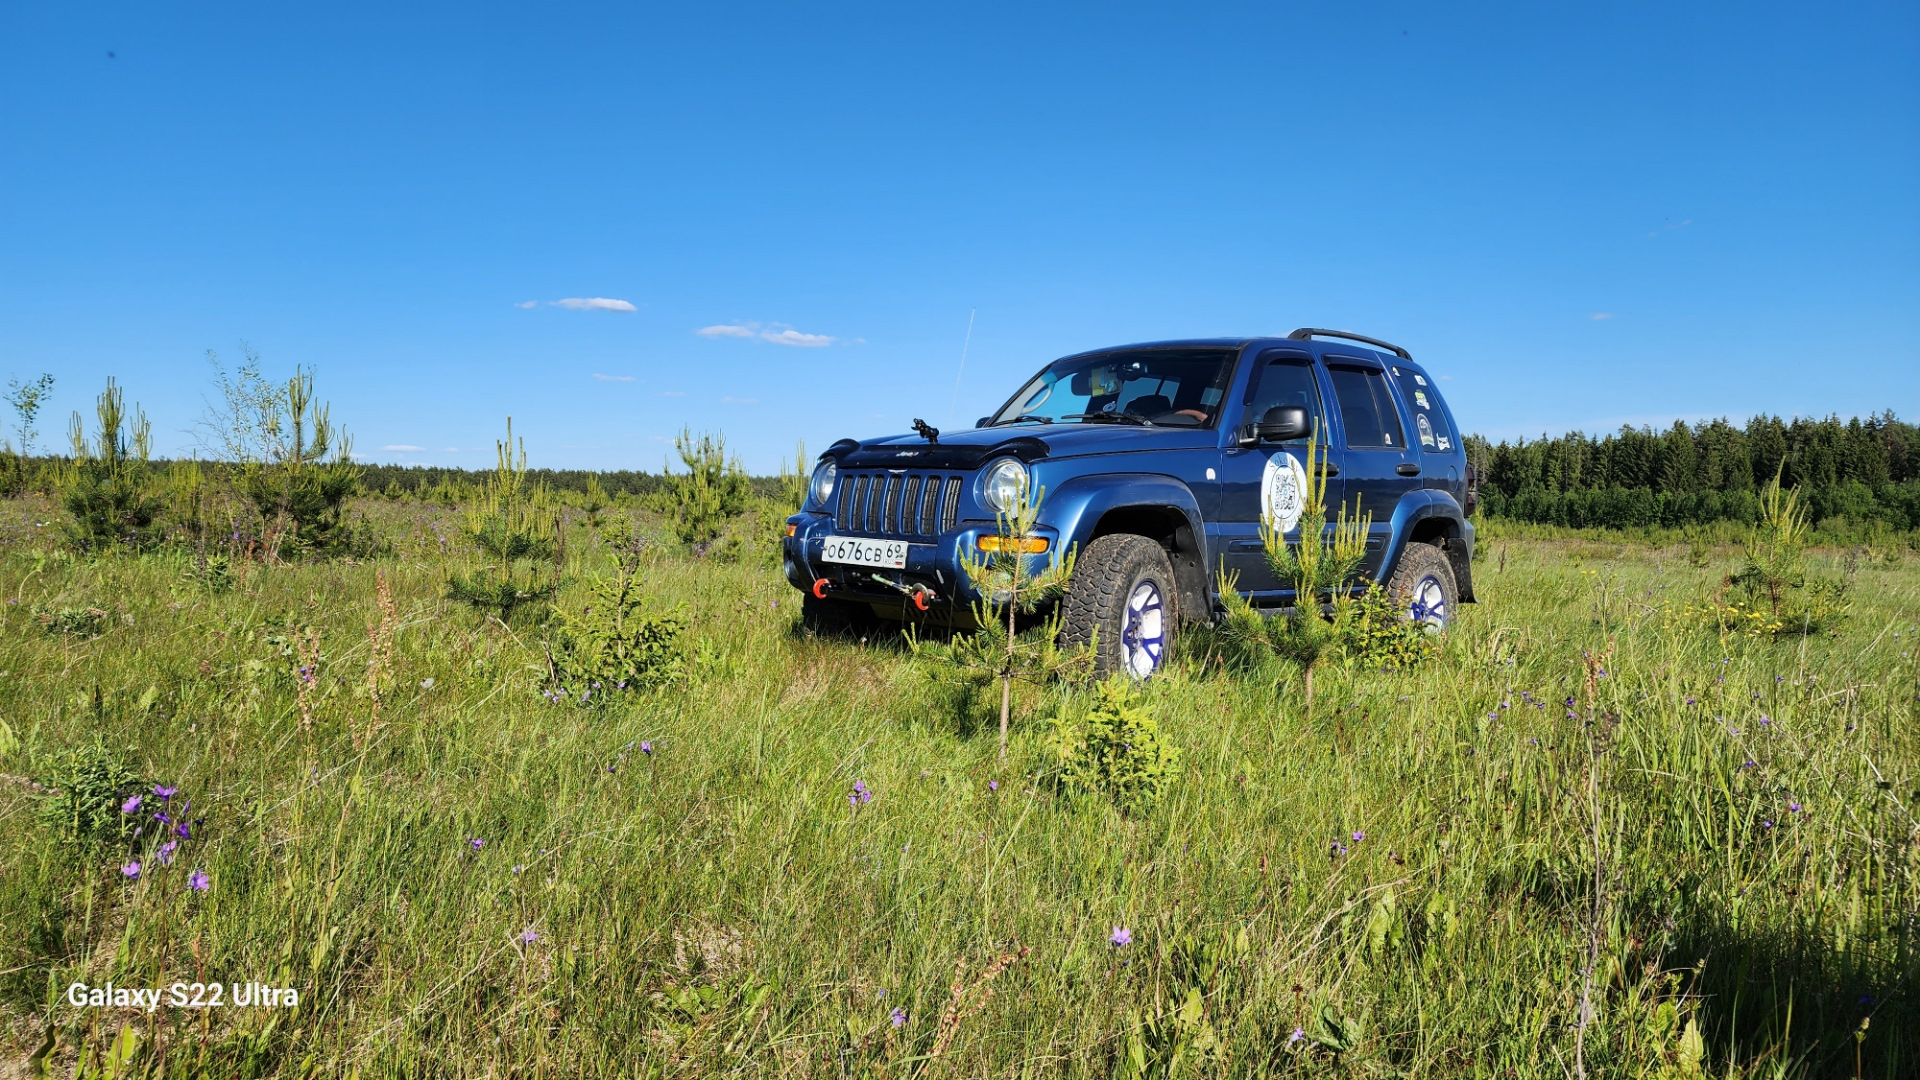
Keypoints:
pixel 1429 422
pixel 1366 408
pixel 1286 381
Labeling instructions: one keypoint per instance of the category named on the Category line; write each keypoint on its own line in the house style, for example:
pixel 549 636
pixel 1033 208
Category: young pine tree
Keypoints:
pixel 1010 585
pixel 513 526
pixel 714 490
pixel 297 489
pixel 1320 566
pixel 107 487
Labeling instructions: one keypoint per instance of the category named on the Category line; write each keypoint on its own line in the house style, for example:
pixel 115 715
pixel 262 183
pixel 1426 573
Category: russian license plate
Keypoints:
pixel 863 552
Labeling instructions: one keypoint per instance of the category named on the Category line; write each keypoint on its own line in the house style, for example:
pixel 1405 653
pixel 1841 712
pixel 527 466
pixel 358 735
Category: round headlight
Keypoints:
pixel 821 488
pixel 1003 485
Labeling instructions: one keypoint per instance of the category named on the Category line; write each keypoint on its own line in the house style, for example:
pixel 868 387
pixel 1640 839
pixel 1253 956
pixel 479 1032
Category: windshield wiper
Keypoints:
pixel 1025 416
pixel 1109 417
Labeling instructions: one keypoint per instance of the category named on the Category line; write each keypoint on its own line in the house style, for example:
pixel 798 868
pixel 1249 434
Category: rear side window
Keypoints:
pixel 1286 380
pixel 1366 408
pixel 1429 420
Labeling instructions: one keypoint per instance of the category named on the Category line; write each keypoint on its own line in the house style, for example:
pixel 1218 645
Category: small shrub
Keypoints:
pixel 90 788
pixel 616 642
pixel 81 622
pixel 1113 750
pixel 1371 631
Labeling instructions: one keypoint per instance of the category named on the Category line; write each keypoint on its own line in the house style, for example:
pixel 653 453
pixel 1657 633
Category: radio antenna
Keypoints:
pixel 954 402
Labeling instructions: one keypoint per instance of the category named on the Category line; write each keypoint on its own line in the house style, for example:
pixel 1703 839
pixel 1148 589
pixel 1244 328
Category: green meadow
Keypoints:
pixel 1592 835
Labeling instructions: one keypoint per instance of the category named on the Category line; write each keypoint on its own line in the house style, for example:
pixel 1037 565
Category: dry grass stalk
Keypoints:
pixel 308 645
pixel 379 648
pixel 965 1001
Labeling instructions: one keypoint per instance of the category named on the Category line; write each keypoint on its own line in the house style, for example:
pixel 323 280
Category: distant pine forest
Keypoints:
pixel 1850 472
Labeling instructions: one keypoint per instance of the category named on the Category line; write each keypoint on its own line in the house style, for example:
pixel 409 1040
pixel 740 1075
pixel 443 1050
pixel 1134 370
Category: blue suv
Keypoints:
pixel 1157 463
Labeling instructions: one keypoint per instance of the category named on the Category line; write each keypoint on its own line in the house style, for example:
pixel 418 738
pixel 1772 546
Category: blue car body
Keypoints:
pixel 1195 490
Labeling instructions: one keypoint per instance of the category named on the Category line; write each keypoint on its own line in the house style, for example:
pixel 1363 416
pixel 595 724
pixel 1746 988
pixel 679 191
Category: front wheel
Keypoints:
pixel 1121 601
pixel 1423 586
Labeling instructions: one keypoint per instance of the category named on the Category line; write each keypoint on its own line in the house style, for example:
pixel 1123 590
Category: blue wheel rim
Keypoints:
pixel 1143 637
pixel 1427 603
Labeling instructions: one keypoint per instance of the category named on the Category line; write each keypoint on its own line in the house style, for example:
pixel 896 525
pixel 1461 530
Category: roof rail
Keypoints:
pixel 1306 332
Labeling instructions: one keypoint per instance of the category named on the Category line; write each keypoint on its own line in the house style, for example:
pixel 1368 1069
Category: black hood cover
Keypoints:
pixel 895 453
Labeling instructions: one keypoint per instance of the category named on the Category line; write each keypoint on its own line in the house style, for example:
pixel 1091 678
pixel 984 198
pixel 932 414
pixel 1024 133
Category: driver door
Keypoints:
pixel 1256 476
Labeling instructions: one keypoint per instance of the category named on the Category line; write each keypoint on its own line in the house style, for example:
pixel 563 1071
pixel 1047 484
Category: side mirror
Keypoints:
pixel 983 421
pixel 1282 423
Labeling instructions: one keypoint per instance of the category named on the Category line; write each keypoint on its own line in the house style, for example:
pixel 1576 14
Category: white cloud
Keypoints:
pixel 778 333
pixel 529 304
pixel 1600 315
pixel 613 378
pixel 594 303
pixel 742 400
pixel 673 393
pixel 449 449
pixel 795 337
pixel 403 448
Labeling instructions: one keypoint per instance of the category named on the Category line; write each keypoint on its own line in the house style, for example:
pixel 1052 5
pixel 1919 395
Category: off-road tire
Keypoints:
pixel 1424 570
pixel 1105 576
pixel 837 618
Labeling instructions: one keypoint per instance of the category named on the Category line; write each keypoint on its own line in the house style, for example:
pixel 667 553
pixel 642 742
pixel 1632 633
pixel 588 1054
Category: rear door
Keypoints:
pixel 1254 476
pixel 1432 435
pixel 1378 467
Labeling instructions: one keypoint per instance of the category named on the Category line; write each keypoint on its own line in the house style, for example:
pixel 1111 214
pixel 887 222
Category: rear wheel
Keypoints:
pixel 1121 601
pixel 1423 586
pixel 837 618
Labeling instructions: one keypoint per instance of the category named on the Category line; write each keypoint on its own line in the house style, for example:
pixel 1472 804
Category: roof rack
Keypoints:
pixel 1307 332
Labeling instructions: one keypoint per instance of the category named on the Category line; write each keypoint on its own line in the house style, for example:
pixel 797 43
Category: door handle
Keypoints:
pixel 1327 468
pixel 1407 468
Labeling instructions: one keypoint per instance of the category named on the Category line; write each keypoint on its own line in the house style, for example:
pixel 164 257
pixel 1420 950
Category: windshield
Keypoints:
pixel 1156 387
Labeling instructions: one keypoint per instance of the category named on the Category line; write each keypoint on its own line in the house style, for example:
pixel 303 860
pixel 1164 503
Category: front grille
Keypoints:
pixel 898 504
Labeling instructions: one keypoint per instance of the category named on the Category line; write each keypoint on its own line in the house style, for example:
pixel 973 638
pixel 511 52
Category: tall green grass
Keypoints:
pixel 1407 880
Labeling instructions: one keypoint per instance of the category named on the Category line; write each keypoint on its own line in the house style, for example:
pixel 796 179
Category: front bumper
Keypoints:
pixel 933 564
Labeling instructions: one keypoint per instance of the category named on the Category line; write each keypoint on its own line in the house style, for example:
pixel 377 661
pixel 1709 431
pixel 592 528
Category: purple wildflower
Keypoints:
pixel 646 748
pixel 166 852
pixel 860 795
pixel 1120 936
pixel 198 881
pixel 1299 1035
pixel 1749 764
pixel 131 806
pixel 1689 700
pixel 476 843
pixel 1766 823
pixel 993 785
pixel 164 792
pixel 183 831
pixel 529 936
pixel 132 869
pixel 1793 806
pixel 1358 836
pixel 1765 720
pixel 898 1016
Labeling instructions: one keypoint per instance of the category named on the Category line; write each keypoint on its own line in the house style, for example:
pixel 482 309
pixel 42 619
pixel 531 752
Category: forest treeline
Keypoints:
pixel 1859 470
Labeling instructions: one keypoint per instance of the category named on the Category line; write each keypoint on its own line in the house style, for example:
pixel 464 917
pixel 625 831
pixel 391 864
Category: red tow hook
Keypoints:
pixel 921 596
pixel 819 588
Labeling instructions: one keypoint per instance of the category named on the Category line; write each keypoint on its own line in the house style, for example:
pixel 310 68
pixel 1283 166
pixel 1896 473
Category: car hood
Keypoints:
pixel 972 447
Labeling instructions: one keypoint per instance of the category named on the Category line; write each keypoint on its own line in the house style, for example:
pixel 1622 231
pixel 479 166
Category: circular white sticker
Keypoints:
pixel 1283 491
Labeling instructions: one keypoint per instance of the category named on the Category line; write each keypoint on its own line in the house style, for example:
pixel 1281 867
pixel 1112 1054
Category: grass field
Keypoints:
pixel 1711 845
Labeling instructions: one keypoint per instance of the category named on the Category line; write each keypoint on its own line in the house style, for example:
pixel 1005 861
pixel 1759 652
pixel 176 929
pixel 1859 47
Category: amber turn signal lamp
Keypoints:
pixel 1021 545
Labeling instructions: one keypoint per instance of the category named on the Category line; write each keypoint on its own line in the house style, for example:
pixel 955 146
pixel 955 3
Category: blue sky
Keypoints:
pixel 1579 217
